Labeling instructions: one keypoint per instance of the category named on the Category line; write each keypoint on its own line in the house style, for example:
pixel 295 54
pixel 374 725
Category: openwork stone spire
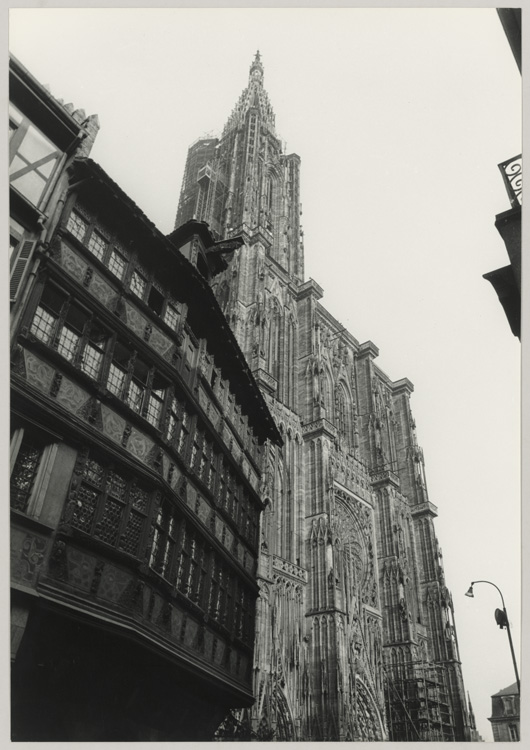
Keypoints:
pixel 253 97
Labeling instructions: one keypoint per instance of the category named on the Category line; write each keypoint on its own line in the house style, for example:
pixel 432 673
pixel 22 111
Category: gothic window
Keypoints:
pixel 32 158
pixel 342 415
pixel 110 505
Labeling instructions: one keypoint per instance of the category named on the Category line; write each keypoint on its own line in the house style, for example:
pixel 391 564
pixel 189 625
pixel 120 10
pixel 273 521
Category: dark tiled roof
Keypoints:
pixel 511 690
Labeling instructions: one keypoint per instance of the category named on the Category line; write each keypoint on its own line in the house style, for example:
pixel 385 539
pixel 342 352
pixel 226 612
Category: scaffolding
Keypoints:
pixel 418 703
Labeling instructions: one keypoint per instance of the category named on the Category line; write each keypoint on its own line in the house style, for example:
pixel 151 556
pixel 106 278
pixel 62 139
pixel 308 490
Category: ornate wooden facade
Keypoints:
pixel 138 433
pixel 355 633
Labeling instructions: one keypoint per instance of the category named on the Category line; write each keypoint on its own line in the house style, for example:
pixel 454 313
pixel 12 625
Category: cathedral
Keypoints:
pixel 355 634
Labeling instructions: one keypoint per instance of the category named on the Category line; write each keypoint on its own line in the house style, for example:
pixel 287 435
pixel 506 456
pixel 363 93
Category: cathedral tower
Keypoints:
pixel 355 635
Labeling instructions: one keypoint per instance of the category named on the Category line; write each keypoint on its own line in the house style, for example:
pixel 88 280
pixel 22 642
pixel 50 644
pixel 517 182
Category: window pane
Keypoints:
pixel 84 508
pixel 68 343
pixel 97 245
pixel 135 396
pixel 139 498
pixel 77 226
pixel 117 264
pixel 94 472
pixel 43 325
pixel 24 473
pixel 138 284
pixel 116 485
pixel 115 380
pixel 108 527
pixel 133 532
pixel 154 407
pixel 91 361
pixel 171 316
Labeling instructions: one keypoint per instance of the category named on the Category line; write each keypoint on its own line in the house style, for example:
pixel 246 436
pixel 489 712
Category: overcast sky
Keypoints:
pixel 400 117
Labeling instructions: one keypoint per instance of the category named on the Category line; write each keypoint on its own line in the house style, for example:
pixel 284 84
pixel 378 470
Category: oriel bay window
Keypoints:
pixel 110 506
pixel 180 554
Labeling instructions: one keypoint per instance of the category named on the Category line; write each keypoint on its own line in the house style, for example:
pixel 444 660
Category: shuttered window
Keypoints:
pixel 20 267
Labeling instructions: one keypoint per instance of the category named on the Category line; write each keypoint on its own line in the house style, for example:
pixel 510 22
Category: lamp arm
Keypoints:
pixel 495 585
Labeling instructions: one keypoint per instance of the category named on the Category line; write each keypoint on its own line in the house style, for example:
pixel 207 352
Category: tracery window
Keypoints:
pixel 342 416
pixel 110 506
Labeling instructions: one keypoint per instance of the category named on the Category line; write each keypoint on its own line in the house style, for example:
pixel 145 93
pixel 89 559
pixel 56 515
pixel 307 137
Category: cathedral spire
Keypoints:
pixel 256 71
pixel 253 97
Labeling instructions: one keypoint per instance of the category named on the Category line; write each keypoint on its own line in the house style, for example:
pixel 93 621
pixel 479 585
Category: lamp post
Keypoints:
pixel 501 618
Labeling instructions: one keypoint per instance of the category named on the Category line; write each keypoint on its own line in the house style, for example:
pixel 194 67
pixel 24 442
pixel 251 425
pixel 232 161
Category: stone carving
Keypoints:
pixel 113 424
pixel 38 372
pixel 71 396
pixel 72 263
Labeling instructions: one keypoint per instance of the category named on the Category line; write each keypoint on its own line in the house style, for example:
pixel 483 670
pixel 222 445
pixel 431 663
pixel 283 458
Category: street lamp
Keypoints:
pixel 501 618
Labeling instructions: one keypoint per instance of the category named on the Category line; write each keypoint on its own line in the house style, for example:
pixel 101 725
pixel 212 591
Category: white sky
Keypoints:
pixel 400 117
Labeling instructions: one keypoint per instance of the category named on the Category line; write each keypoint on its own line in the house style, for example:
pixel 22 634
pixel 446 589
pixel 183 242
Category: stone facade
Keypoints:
pixel 506 715
pixel 355 632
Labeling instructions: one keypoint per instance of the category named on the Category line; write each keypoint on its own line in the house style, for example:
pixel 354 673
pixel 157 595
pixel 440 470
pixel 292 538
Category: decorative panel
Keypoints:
pixel 159 342
pixel 81 568
pixel 139 445
pixel 113 424
pixel 72 263
pixel 38 372
pixel 113 583
pixel 71 396
pixel 135 320
pixel 27 555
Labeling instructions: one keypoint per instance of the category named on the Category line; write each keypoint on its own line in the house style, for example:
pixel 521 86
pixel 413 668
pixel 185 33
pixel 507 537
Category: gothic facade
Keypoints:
pixel 355 636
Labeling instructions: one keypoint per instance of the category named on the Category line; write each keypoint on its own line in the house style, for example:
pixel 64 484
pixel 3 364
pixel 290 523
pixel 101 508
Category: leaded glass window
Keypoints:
pixel 70 330
pixel 117 263
pixel 172 316
pixel 110 506
pixel 138 284
pixel 77 226
pixel 97 245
